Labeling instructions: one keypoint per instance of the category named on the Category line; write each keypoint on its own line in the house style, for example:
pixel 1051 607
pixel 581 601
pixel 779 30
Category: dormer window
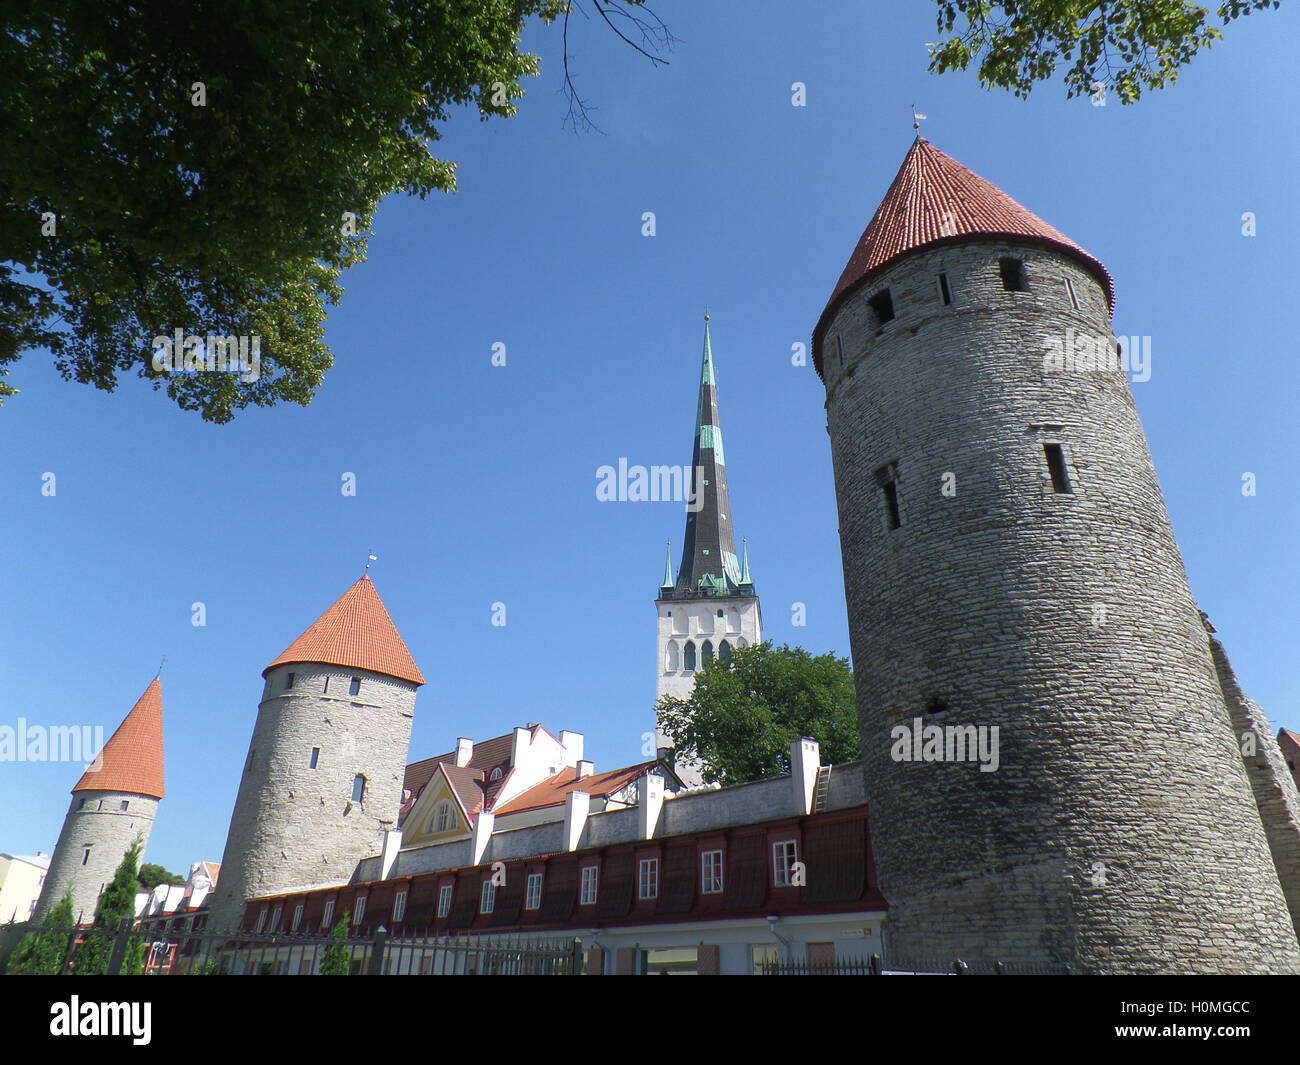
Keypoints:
pixel 497 774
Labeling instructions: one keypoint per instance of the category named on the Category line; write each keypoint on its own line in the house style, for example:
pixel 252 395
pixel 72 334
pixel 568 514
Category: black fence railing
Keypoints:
pixel 875 965
pixel 133 949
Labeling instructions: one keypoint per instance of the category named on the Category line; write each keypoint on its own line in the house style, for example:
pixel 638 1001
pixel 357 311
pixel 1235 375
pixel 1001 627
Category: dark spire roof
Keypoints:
pixel 934 199
pixel 709 564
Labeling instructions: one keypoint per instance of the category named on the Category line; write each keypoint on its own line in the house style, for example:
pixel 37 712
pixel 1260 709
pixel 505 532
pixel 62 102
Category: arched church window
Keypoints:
pixel 688 659
pixel 672 659
pixel 724 652
pixel 707 652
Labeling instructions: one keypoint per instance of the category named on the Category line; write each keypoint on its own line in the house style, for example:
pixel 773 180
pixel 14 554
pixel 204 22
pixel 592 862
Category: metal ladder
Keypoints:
pixel 822 786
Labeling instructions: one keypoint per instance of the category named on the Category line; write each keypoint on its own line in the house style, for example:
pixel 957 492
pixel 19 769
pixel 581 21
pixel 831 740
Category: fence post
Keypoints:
pixel 876 965
pixel 119 947
pixel 575 957
pixel 377 953
pixel 960 968
pixel 999 969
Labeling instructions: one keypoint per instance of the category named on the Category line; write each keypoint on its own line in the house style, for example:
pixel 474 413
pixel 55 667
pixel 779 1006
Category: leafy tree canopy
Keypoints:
pixel 42 953
pixel 743 715
pixel 152 874
pixel 214 168
pixel 1126 46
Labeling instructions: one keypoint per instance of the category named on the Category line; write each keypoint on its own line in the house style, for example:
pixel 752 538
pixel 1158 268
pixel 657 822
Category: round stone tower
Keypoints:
pixel 323 777
pixel 1051 770
pixel 114 802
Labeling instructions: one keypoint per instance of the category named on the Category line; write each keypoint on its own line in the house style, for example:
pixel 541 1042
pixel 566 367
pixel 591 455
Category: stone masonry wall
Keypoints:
pixel 1119 832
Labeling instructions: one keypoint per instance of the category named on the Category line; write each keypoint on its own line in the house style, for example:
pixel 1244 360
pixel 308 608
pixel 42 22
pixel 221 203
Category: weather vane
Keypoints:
pixel 917 118
pixel 370 558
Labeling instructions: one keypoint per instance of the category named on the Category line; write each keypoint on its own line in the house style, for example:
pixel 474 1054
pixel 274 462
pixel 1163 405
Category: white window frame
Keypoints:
pixel 444 900
pixel 784 855
pixel 399 906
pixel 487 897
pixel 590 885
pixel 297 917
pixel 711 872
pixel 359 911
pixel 275 917
pixel 329 914
pixel 533 893
pixel 261 921
pixel 647 879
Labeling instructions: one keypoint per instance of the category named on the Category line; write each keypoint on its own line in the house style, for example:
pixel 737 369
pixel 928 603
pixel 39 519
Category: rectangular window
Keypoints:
pixel 297 917
pixel 533 900
pixel 487 897
pixel 261 920
pixel 325 690
pixel 354 688
pixel 288 680
pixel 784 855
pixel 887 478
pixel 360 912
pixel 1069 291
pixel 944 294
pixel 329 914
pixel 85 857
pixel 444 900
pixel 588 886
pixel 648 880
pixel 275 918
pixel 882 303
pixel 399 906
pixel 358 788
pixel 839 343
pixel 315 754
pixel 1056 467
pixel 764 954
pixel 1013 275
pixel 711 873
pixel 123 804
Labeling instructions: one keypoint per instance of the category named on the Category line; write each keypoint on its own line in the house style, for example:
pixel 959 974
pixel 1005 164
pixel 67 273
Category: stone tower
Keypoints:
pixel 1014 589
pixel 114 802
pixel 323 776
pixel 711 607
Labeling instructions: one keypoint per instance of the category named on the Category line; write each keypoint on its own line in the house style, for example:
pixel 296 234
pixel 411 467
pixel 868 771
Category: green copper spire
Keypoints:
pixel 744 577
pixel 668 568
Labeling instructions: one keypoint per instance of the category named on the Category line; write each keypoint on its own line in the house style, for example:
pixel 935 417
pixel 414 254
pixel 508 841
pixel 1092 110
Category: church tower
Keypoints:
pixel 114 802
pixel 1051 768
pixel 711 607
pixel 323 777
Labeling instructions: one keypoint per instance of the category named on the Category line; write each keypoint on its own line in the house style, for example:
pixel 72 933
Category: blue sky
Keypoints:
pixel 476 484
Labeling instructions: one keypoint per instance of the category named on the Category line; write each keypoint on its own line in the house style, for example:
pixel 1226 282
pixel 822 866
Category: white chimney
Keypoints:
pixel 482 834
pixel 464 751
pixel 572 744
pixel 388 856
pixel 585 768
pixel 650 791
pixel 576 805
pixel 805 760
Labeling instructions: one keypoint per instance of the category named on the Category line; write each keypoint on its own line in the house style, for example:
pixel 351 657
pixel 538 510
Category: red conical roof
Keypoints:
pixel 355 632
pixel 132 760
pixel 934 199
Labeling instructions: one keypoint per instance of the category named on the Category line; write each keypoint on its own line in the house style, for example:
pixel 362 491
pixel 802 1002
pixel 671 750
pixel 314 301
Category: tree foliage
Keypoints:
pixel 337 957
pixel 152 874
pixel 115 903
pixel 193 166
pixel 41 953
pixel 743 715
pixel 1125 46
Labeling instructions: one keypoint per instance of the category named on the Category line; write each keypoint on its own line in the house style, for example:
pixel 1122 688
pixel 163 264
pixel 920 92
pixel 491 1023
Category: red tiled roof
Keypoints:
pixel 933 199
pixel 486 755
pixel 551 792
pixel 132 759
pixel 355 632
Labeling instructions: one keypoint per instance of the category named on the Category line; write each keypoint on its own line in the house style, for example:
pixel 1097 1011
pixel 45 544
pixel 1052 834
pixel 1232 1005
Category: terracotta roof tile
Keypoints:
pixel 551 792
pixel 132 759
pixel 933 199
pixel 355 632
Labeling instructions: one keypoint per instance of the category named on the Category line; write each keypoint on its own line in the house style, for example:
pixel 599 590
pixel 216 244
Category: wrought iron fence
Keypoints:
pixel 875 965
pixel 132 948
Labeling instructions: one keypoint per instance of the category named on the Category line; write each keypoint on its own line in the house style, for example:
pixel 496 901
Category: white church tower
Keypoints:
pixel 711 607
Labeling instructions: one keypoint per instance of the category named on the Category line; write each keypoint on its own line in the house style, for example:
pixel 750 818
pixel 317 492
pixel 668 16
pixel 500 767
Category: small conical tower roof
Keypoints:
pixel 132 759
pixel 355 632
pixel 933 200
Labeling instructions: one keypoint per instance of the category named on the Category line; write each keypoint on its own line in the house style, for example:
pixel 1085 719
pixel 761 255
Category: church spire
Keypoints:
pixel 668 567
pixel 709 564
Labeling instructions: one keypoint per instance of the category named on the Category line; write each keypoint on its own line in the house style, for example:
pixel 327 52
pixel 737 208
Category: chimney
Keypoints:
pixel 572 744
pixel 576 805
pixel 482 834
pixel 585 768
pixel 464 751
pixel 388 856
pixel 805 760
pixel 650 791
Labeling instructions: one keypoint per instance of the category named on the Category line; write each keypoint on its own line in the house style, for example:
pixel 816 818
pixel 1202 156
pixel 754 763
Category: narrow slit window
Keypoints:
pixel 944 293
pixel 315 756
pixel 882 303
pixel 1013 275
pixel 887 478
pixel 839 343
pixel 1056 467
pixel 1069 291
pixel 354 688
pixel 358 788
